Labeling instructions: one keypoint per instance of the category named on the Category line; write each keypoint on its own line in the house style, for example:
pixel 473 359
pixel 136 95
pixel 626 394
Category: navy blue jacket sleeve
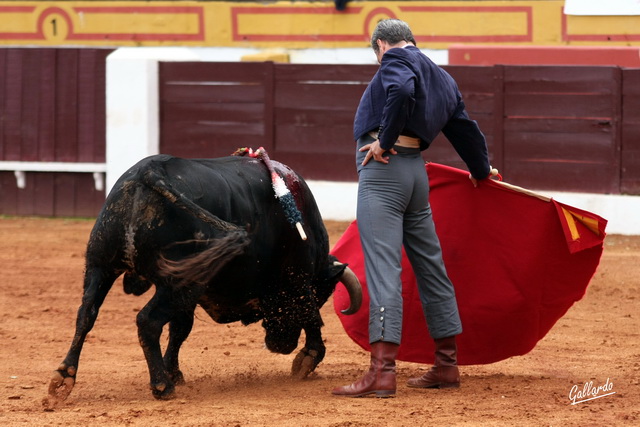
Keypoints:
pixel 469 142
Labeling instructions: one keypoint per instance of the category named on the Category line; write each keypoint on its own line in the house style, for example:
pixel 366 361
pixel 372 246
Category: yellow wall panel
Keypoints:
pixel 313 24
pixel 598 29
pixel 467 24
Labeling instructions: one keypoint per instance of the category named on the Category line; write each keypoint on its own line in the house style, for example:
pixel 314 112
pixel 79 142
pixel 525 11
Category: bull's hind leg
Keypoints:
pixel 97 284
pixel 164 307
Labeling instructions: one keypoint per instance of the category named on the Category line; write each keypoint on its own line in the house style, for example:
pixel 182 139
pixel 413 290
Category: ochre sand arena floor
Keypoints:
pixel 233 381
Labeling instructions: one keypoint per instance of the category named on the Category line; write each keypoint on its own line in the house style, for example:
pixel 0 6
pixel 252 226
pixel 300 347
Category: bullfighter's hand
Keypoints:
pixel 492 173
pixel 374 150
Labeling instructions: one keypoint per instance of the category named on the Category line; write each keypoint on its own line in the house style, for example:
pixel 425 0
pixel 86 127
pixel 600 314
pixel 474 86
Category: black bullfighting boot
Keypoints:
pixel 381 377
pixel 444 373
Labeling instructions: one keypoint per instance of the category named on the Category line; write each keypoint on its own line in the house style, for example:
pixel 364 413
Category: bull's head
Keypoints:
pixel 282 331
pixel 286 314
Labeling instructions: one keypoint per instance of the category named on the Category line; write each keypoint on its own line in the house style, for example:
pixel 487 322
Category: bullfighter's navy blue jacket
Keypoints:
pixel 410 95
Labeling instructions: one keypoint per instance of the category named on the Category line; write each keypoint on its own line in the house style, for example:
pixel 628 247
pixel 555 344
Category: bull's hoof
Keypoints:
pixel 60 386
pixel 162 391
pixel 304 363
pixel 177 378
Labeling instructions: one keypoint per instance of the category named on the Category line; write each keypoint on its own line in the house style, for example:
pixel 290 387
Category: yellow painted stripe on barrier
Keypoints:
pixel 593 29
pixel 150 20
pixel 479 23
pixel 317 24
pixel 296 23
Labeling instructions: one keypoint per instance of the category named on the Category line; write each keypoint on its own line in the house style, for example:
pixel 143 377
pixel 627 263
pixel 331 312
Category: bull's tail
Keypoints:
pixel 156 181
pixel 201 267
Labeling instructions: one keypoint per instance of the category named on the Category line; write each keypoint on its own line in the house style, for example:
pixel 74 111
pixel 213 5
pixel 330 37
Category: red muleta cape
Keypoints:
pixel 518 262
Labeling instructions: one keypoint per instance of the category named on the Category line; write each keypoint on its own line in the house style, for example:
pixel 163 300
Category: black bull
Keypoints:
pixel 209 233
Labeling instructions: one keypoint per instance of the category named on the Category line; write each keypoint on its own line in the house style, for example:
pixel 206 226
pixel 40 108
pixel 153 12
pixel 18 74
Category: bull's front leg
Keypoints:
pixel 310 356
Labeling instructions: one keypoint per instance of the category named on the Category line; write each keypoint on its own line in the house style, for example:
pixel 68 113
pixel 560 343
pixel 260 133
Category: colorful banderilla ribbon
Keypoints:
pixel 282 192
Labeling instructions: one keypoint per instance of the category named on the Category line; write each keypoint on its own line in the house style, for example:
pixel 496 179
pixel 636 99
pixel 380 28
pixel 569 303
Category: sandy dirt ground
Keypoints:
pixel 232 380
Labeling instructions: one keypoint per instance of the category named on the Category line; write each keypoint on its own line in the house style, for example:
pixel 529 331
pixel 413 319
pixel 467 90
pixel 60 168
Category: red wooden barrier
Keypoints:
pixel 561 128
pixel 52 109
pixel 630 135
pixel 570 128
pixel 209 109
pixel 621 56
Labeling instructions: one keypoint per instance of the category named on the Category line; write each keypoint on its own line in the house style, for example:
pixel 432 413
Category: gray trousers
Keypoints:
pixel 393 210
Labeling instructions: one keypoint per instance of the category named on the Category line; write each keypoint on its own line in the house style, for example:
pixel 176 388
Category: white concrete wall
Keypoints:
pixel 309 56
pixel 133 105
pixel 133 128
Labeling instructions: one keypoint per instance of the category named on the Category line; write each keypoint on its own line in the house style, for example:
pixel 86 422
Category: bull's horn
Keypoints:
pixel 351 282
